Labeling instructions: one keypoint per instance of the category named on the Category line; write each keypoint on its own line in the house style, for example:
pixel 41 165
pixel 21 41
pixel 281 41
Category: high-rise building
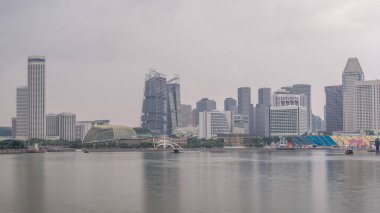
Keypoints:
pixel 81 128
pixel 212 123
pixel 287 120
pixel 352 73
pixel 22 114
pixel 240 123
pixel 67 122
pixel 284 98
pixel 244 105
pixel 154 110
pixel 244 100
pixel 265 96
pixel 204 104
pixel 317 123
pixel 173 103
pixel 334 108
pixel 52 126
pixel 304 89
pixel 262 111
pixel 14 127
pixel 229 104
pixel 185 115
pixel 367 105
pixel 36 87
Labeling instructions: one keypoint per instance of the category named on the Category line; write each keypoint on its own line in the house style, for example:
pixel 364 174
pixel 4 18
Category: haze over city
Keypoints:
pixel 97 52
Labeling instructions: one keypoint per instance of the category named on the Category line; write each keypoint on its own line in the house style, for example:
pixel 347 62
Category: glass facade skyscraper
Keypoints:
pixel 334 108
pixel 174 102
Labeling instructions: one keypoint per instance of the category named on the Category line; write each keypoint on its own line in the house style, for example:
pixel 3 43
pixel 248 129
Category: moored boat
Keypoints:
pixel 349 152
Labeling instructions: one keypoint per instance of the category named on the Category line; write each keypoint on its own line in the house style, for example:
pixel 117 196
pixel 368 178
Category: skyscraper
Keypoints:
pixel 317 123
pixel 265 96
pixel 244 105
pixel 244 100
pixel 36 87
pixel 67 122
pixel 154 110
pixel 367 105
pixel 334 108
pixel 174 101
pixel 22 113
pixel 304 89
pixel 185 115
pixel 352 73
pixel 262 111
pixel 229 104
pixel 204 104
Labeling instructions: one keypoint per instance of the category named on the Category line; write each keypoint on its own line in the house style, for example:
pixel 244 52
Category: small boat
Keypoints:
pixel 349 152
pixel 176 151
pixel 35 149
pixel 86 151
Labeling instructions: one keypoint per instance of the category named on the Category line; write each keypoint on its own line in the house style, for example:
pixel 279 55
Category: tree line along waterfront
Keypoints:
pixel 257 142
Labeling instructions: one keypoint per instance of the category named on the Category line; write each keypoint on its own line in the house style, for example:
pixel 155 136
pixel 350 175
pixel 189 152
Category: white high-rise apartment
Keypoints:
pixel 212 123
pixel 367 105
pixel 352 73
pixel 36 86
pixel 22 114
pixel 67 123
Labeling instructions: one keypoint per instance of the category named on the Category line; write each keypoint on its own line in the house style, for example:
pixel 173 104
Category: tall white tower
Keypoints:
pixel 36 86
pixel 352 73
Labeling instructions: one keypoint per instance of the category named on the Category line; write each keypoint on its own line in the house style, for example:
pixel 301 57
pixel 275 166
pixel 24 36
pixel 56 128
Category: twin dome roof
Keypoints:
pixel 115 132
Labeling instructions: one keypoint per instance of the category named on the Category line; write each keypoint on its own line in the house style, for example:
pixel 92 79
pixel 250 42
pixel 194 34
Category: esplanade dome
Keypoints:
pixel 115 132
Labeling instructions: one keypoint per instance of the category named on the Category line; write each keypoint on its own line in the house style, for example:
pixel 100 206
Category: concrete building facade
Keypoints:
pixel 67 124
pixel 304 89
pixel 367 105
pixel 212 123
pixel 22 113
pixel 36 88
pixel 287 120
pixel 352 73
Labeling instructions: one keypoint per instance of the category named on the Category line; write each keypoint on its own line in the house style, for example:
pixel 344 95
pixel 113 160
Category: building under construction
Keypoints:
pixel 154 110
pixel 174 101
pixel 161 103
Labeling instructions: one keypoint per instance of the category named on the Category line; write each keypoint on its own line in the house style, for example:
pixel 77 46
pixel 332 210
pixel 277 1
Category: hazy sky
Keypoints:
pixel 99 51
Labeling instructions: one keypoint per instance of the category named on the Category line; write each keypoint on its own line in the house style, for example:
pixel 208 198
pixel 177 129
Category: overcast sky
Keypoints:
pixel 99 51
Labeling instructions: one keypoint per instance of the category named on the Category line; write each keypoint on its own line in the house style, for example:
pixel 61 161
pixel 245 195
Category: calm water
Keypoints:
pixel 189 182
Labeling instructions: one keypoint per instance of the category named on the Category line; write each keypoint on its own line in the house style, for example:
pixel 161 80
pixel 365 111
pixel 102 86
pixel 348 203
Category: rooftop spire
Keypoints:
pixel 353 66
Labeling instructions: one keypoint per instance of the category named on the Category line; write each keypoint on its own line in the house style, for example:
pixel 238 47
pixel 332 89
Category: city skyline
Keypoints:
pixel 110 67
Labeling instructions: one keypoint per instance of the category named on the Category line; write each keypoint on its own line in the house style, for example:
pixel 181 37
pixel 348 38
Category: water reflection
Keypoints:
pixel 162 189
pixel 307 181
pixel 28 187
